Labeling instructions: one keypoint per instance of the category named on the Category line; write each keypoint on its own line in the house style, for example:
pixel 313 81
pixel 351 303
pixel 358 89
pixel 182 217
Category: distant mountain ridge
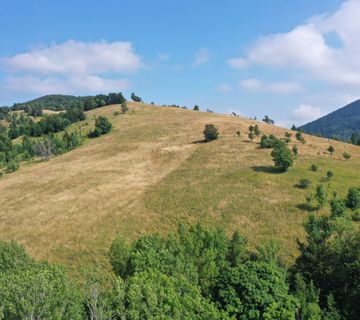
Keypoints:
pixel 342 123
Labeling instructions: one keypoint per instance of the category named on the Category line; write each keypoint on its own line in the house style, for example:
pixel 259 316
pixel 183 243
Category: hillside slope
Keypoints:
pixel 341 123
pixel 151 173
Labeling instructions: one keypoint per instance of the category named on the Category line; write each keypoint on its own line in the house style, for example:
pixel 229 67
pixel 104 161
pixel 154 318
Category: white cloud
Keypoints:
pixel 224 88
pixel 239 63
pixel 72 57
pixel 305 113
pixel 305 48
pixel 202 56
pixel 71 67
pixel 255 85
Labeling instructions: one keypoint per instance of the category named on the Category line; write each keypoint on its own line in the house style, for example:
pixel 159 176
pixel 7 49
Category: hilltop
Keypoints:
pixel 152 172
pixel 342 123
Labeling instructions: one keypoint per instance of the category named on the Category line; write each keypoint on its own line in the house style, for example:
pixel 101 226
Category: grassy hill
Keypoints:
pixel 342 123
pixel 151 173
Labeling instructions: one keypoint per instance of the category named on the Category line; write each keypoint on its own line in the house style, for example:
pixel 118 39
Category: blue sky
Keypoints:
pixel 293 60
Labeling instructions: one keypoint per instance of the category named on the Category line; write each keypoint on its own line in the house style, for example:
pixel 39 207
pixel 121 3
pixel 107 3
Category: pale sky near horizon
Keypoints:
pixel 292 60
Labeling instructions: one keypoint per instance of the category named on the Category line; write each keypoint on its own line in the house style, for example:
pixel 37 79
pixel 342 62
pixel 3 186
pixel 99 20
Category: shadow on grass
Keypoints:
pixel 306 207
pixel 267 169
pixel 199 141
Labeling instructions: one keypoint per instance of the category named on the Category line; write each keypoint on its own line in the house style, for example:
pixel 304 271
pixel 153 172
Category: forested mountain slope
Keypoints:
pixel 342 123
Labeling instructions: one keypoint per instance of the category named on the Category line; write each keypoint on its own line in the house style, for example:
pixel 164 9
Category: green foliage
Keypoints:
pixel 124 107
pixel 268 120
pixel 196 108
pixel 300 137
pixel 255 290
pixel 314 167
pixel 39 291
pixel 282 157
pixel 307 296
pixel 353 198
pixel 330 259
pixel 12 257
pixel 268 141
pixel 331 149
pixel 288 134
pixel 94 133
pixel 210 132
pixel 251 136
pixel 257 130
pixel 295 150
pixel 329 174
pixel 153 295
pixel 119 256
pixel 64 102
pixel 303 184
pixel 135 98
pixel 321 195
pixel 12 165
pixel 102 126
pixel 346 156
pixel 338 207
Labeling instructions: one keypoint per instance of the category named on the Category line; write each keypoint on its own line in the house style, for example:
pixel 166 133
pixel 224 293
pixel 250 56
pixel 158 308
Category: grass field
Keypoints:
pixel 151 173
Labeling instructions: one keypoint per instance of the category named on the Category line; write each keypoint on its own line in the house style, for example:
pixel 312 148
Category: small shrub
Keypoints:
pixel 95 133
pixel 300 137
pixel 329 174
pixel 303 184
pixel 210 133
pixel 238 134
pixel 295 150
pixel 346 156
pixel 338 207
pixel 251 136
pixel 12 166
pixel 353 198
pixel 331 149
pixel 282 157
pixel 124 107
pixel 257 130
pixel 103 124
pixel 321 195
pixel 288 135
pixel 314 167
pixel 268 141
pixel 355 216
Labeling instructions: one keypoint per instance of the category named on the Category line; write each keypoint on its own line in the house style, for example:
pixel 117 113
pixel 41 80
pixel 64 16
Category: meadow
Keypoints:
pixel 152 172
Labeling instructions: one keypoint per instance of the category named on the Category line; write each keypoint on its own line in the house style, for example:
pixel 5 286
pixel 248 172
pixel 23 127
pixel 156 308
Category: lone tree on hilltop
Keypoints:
pixel 210 132
pixel 135 98
pixel 331 149
pixel 196 108
pixel 268 120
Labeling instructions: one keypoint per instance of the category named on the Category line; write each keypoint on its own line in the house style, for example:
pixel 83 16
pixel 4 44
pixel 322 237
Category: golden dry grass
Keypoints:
pixel 148 175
